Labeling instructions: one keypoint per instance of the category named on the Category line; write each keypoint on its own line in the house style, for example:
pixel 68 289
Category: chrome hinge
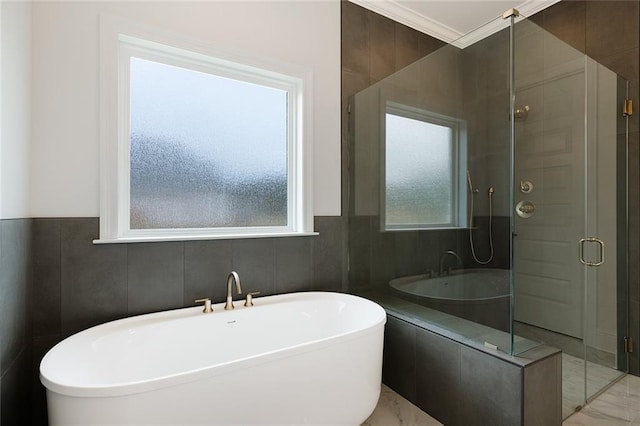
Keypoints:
pixel 627 107
pixel 628 344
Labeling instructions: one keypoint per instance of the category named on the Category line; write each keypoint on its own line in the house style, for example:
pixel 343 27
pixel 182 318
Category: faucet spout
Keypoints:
pixel 444 256
pixel 232 278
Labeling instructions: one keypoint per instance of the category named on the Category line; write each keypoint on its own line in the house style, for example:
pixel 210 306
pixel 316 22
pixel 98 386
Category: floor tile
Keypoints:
pixel 394 410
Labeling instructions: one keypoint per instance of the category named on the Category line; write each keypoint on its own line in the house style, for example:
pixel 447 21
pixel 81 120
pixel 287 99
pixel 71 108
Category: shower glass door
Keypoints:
pixel 605 244
pixel 569 218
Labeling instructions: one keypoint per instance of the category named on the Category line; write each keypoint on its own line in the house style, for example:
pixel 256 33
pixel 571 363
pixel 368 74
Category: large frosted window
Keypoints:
pixel 199 144
pixel 206 151
pixel 421 171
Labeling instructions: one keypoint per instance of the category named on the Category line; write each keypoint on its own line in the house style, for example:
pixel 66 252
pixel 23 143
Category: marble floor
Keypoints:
pixel 618 406
pixel 573 377
pixel 600 369
pixel 394 410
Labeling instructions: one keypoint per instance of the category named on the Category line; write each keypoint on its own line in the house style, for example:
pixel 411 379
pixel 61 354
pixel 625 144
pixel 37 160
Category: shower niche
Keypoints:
pixel 487 200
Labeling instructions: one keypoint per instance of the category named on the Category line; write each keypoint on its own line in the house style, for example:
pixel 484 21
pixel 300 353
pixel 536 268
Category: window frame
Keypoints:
pixel 118 45
pixel 458 166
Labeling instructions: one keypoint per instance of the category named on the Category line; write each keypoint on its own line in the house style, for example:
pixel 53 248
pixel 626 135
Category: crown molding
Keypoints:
pixel 528 8
pixel 409 17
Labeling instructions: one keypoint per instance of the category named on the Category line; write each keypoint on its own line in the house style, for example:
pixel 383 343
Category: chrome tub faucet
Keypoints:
pixel 444 256
pixel 233 277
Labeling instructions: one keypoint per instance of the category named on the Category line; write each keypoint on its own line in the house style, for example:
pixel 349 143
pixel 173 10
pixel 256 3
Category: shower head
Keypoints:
pixel 522 113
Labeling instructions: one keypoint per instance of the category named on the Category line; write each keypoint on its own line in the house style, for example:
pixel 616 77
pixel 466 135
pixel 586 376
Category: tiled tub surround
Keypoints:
pixel 77 284
pixel 440 363
pixel 458 384
pixel 474 336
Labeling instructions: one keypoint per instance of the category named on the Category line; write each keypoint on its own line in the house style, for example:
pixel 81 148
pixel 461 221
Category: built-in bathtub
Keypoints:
pixel 481 295
pixel 301 358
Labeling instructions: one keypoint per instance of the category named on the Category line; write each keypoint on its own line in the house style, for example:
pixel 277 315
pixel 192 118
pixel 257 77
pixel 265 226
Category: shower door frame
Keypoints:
pixel 620 262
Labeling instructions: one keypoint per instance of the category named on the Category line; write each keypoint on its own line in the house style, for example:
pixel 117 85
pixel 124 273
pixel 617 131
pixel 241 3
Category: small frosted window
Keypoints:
pixel 419 173
pixel 205 151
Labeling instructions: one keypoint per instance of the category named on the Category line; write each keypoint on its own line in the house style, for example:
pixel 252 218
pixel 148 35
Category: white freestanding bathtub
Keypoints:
pixel 302 358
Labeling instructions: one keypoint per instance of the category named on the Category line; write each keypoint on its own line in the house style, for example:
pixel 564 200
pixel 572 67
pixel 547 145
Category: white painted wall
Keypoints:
pixel 65 154
pixel 15 108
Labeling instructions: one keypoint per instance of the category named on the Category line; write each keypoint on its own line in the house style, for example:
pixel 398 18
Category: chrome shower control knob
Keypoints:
pixel 526 186
pixel 525 209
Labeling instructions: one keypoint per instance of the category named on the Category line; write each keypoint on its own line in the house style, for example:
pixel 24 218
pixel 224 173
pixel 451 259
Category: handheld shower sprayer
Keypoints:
pixel 490 194
pixel 471 190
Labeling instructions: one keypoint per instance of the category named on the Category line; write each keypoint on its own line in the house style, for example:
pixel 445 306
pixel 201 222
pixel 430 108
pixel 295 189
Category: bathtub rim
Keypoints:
pixel 447 300
pixel 187 376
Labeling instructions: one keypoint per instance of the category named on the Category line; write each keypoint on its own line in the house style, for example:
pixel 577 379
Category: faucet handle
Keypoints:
pixel 207 304
pixel 249 299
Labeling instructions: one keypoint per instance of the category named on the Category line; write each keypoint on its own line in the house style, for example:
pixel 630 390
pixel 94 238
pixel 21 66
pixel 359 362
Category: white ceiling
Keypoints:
pixel 453 21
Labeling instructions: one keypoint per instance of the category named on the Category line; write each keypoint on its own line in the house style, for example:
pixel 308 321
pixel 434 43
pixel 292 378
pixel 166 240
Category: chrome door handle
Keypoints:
pixel 600 251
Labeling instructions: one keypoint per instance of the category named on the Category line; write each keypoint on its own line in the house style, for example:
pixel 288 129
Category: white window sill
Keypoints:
pixel 167 238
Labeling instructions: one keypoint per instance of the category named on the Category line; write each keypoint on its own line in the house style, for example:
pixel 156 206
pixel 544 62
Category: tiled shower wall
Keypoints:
pixel 477 91
pixel 77 284
pixel 373 47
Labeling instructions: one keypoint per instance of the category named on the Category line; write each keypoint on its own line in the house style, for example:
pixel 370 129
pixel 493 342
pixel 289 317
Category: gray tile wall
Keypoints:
pixel 78 284
pixel 373 47
pixel 376 257
pixel 15 279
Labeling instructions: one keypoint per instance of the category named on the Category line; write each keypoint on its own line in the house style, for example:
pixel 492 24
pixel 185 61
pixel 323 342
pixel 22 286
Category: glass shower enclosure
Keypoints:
pixel 487 198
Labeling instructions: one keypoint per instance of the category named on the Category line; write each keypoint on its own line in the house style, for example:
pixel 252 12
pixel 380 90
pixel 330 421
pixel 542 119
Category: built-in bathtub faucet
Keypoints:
pixel 444 256
pixel 249 300
pixel 233 277
pixel 207 304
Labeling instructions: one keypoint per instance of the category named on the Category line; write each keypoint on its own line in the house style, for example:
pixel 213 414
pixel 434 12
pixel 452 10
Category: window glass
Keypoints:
pixel 200 144
pixel 419 179
pixel 424 156
pixel 205 150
